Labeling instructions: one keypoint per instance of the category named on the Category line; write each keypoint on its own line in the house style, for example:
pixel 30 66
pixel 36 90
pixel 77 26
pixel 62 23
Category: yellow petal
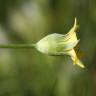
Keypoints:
pixel 75 58
pixel 79 63
pixel 72 33
pixel 75 26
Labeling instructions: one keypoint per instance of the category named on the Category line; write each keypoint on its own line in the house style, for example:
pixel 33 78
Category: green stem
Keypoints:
pixel 17 46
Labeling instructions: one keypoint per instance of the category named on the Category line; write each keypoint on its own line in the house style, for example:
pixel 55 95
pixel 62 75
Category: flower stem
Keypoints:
pixel 17 46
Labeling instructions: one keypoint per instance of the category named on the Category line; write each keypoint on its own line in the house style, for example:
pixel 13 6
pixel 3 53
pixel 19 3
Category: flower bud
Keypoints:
pixel 59 44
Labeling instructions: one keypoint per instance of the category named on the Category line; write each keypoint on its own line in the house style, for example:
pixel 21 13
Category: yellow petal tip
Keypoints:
pixel 79 63
pixel 76 26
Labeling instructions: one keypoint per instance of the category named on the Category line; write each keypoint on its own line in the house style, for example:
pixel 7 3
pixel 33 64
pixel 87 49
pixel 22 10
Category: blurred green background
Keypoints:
pixel 26 72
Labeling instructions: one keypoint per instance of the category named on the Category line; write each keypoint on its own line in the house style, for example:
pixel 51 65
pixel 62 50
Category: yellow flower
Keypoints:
pixel 59 44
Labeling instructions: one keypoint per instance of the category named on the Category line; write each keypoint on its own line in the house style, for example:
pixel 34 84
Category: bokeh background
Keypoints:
pixel 27 72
